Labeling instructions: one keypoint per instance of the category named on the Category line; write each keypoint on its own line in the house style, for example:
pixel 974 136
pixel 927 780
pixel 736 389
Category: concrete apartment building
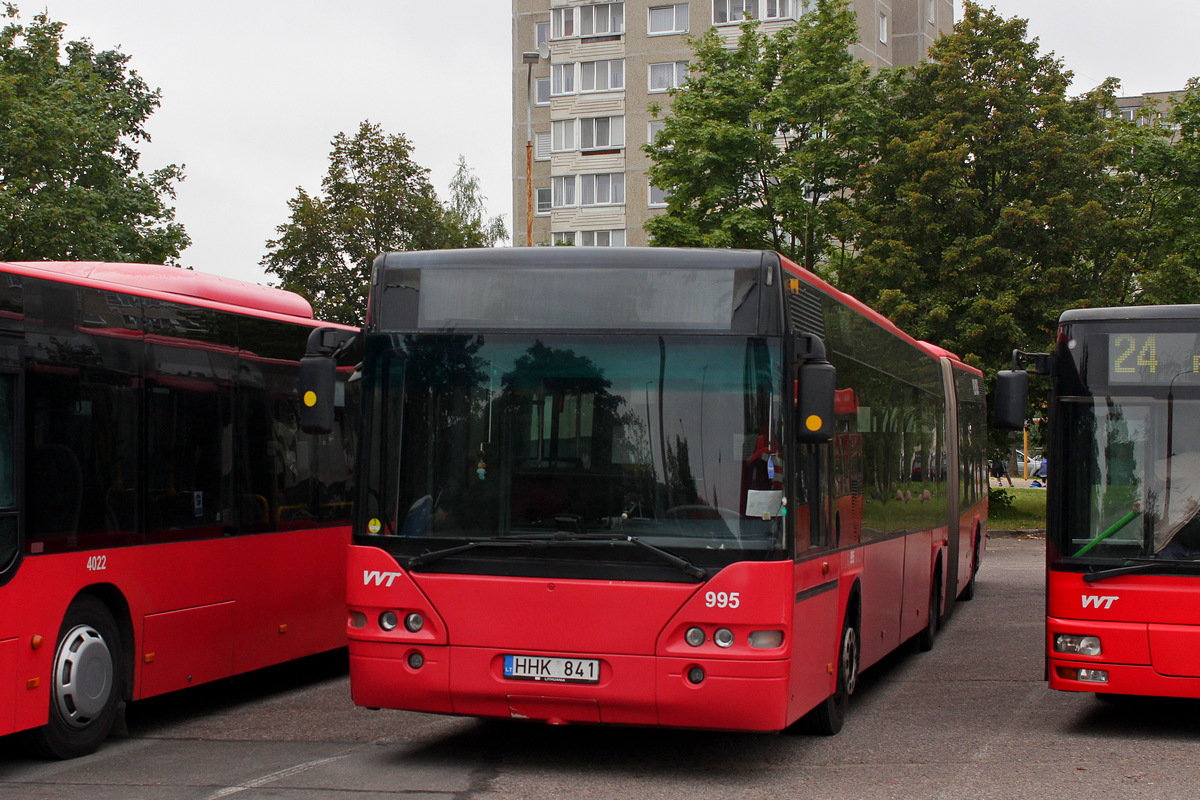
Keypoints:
pixel 593 69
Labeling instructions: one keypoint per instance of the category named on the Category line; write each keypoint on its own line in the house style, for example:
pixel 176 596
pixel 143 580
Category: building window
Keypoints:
pixel 776 9
pixel 656 127
pixel 562 23
pixel 543 201
pixel 601 76
pixel 883 28
pixel 668 19
pixel 543 33
pixel 541 95
pixel 658 197
pixel 601 133
pixel 604 189
pixel 931 11
pixel 613 238
pixel 562 79
pixel 541 146
pixel 601 19
pixel 562 135
pixel 563 237
pixel 726 11
pixel 664 77
pixel 563 191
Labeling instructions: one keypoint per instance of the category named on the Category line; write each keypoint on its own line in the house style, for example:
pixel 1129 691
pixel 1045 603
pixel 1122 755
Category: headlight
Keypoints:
pixel 723 637
pixel 694 636
pixel 388 621
pixel 1073 644
pixel 414 622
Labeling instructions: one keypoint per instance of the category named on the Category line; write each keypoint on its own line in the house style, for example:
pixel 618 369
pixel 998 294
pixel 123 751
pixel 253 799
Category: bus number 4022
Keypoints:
pixel 97 563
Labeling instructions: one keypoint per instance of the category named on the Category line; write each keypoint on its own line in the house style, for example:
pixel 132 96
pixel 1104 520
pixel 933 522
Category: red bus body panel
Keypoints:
pixel 201 610
pixel 1149 630
pixel 635 630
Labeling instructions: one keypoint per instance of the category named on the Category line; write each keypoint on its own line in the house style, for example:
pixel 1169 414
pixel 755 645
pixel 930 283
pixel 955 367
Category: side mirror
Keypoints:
pixel 1011 399
pixel 318 378
pixel 816 385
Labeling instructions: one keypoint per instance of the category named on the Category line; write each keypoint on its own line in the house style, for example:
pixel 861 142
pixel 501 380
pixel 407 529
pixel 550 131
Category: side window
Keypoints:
pixel 82 433
pixel 8 472
pixel 189 423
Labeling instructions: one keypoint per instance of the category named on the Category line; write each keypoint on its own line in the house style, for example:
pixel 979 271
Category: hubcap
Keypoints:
pixel 850 660
pixel 83 676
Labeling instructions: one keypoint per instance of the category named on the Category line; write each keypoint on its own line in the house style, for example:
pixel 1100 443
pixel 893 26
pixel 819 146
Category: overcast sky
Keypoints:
pixel 253 91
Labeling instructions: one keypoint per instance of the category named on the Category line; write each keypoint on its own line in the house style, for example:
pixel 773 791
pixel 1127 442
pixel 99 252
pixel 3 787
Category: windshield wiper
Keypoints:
pixel 545 539
pixel 430 556
pixel 1132 566
pixel 681 563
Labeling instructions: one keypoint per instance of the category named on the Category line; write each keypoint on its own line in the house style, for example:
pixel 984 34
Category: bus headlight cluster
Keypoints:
pixel 388 621
pixel 1072 644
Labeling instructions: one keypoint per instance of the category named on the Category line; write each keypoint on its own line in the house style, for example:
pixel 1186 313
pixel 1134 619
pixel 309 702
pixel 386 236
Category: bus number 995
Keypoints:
pixel 722 599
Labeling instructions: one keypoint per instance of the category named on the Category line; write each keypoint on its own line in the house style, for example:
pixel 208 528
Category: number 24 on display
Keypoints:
pixel 722 599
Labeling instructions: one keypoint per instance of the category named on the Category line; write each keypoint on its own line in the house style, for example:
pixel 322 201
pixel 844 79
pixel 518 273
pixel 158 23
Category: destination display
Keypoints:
pixel 1152 357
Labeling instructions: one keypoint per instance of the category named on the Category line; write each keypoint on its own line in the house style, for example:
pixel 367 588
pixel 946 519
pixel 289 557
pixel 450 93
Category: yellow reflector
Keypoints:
pixel 310 398
pixel 813 423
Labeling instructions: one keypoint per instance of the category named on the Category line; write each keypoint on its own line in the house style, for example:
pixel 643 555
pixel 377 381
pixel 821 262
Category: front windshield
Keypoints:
pixel 674 440
pixel 1131 451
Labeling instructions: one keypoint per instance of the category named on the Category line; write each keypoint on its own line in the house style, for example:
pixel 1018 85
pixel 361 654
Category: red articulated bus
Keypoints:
pixel 1122 498
pixel 693 488
pixel 163 520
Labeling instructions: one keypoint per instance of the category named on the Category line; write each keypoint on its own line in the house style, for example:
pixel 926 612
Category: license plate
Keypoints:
pixel 560 670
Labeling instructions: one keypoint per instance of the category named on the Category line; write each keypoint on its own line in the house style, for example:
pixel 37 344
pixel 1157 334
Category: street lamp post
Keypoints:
pixel 529 59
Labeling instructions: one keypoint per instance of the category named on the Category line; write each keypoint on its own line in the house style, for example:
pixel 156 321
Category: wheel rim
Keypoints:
pixel 850 661
pixel 83 676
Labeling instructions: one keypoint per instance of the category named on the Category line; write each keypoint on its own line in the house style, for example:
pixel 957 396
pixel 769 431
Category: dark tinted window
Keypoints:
pixel 82 420
pixel 190 368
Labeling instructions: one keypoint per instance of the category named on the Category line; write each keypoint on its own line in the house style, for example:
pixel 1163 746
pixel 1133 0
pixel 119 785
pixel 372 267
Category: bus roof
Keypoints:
pixel 183 283
pixel 575 257
pixel 1129 313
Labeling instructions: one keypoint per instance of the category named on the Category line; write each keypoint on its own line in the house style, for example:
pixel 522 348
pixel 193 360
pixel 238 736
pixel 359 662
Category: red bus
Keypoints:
pixel 1123 490
pixel 163 520
pixel 692 488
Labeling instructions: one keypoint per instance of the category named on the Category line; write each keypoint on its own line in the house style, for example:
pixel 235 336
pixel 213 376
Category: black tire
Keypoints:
pixel 85 682
pixel 968 592
pixel 828 717
pixel 925 637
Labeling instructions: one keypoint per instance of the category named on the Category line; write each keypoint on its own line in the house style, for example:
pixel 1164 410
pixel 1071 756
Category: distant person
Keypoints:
pixel 1000 472
pixel 1041 470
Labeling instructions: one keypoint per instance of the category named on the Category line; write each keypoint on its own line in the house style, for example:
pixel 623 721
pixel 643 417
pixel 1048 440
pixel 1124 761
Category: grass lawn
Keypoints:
pixel 1027 510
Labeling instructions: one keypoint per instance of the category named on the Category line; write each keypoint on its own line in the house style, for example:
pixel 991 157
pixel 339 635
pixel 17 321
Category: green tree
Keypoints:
pixel 375 199
pixel 762 135
pixel 1158 163
pixel 983 212
pixel 70 120
pixel 466 218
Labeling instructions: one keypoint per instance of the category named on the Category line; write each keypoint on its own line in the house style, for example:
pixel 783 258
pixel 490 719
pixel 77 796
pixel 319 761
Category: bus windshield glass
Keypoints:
pixel 576 441
pixel 1128 407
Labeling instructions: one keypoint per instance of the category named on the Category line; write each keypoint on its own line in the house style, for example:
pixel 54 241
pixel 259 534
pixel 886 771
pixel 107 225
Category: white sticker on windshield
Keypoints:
pixel 763 504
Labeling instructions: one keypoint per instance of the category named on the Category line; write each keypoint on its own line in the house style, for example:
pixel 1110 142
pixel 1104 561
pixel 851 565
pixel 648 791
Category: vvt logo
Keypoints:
pixel 1092 600
pixel 378 578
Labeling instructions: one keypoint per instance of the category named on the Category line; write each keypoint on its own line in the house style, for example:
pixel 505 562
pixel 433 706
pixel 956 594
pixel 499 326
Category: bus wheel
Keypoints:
pixel 968 592
pixel 925 638
pixel 85 684
pixel 827 718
